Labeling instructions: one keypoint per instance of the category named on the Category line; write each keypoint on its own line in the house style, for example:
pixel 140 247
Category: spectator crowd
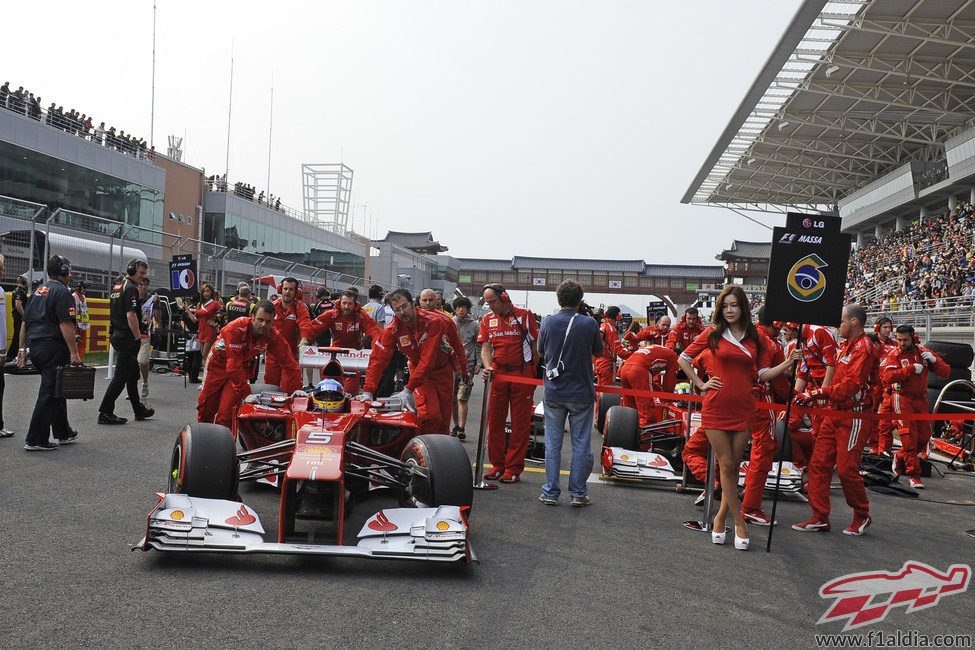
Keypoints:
pixel 24 102
pixel 919 267
pixel 217 183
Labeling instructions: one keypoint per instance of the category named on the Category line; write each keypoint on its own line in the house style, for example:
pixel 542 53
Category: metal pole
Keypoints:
pixel 927 326
pixel 226 168
pixel 270 124
pixel 152 109
pixel 479 483
pixel 707 522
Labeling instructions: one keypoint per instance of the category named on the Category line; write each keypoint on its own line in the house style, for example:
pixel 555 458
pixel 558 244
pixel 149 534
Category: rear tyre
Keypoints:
pixel 606 402
pixel 450 481
pixel 623 428
pixel 204 462
pixel 956 355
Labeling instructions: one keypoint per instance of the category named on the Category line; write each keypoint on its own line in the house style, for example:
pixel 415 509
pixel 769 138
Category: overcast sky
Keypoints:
pixel 507 128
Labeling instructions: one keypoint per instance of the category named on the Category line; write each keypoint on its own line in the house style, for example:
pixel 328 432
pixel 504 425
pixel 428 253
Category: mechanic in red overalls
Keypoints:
pixel 419 335
pixel 839 441
pixel 655 334
pixel 636 373
pixel 695 452
pixel 229 365
pixel 507 337
pixel 882 440
pixel 762 428
pixel 291 320
pixel 818 364
pixel 740 358
pixel 905 375
pixel 428 301
pixel 205 313
pixel 348 324
pixel 688 329
pixel 604 366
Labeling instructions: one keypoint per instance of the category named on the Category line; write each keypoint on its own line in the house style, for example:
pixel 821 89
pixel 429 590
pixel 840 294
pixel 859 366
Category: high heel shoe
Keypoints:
pixel 716 537
pixel 741 543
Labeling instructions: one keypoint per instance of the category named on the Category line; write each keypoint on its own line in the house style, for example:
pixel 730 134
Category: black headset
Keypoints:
pixel 133 266
pixel 499 290
pixel 58 266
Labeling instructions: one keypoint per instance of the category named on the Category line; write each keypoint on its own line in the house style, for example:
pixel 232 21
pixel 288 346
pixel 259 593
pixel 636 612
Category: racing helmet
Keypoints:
pixel 329 395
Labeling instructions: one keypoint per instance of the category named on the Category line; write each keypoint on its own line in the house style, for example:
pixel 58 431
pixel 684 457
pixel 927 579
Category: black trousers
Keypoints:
pixel 48 411
pixel 194 361
pixel 126 373
pixel 2 387
pixel 15 341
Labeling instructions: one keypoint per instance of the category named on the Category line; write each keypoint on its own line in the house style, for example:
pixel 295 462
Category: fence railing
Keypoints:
pixel 99 247
pixel 956 311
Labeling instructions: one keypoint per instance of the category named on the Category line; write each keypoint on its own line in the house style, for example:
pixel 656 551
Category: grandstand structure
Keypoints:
pixel 865 108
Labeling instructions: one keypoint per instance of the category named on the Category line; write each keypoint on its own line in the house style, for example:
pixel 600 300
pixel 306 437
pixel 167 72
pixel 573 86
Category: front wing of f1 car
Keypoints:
pixel 183 523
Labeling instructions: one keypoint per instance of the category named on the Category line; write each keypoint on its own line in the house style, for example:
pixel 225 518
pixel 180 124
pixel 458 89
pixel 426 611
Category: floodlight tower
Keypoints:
pixel 327 190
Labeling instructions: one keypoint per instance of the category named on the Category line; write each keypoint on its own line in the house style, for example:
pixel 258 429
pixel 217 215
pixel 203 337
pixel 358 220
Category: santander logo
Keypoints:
pixel 382 523
pixel 866 598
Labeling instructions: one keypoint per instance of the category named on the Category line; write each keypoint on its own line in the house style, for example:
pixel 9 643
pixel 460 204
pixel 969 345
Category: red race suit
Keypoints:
pixel 289 320
pixel 636 372
pixel 650 334
pixel 229 367
pixel 510 337
pixel 347 332
pixel 882 438
pixel 683 334
pixel 909 394
pixel 839 442
pixel 604 366
pixel 431 367
pixel 762 426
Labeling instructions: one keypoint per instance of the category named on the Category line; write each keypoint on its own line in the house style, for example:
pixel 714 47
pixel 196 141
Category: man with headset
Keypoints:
pixel 48 330
pixel 124 311
pixel 507 337
pixel 290 319
pixel 348 324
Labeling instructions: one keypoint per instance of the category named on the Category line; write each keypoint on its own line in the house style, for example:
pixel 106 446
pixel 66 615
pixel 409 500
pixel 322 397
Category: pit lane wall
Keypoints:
pixel 97 319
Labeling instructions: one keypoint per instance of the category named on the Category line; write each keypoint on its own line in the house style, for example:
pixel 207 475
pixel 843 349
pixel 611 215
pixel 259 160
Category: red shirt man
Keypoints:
pixel 840 441
pixel 348 324
pixel 290 319
pixel 655 334
pixel 905 376
pixel 229 365
pixel 636 373
pixel 882 439
pixel 604 366
pixel 420 336
pixel 688 329
pixel 507 337
pixel 428 301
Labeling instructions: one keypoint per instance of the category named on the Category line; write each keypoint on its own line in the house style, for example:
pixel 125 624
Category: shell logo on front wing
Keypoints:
pixel 176 514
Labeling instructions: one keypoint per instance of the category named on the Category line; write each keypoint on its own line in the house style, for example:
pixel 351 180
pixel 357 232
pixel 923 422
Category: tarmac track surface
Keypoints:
pixel 621 573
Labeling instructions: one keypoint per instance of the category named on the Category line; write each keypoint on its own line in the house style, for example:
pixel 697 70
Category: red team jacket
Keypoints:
pixel 347 331
pixel 900 374
pixel 236 347
pixel 683 335
pixel 424 347
pixel 291 320
pixel 612 347
pixel 851 380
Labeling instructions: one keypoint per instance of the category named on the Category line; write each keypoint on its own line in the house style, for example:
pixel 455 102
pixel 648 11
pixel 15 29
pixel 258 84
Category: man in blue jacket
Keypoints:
pixel 568 341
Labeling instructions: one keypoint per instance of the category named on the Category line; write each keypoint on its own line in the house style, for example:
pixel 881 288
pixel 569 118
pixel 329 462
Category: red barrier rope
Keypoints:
pixel 830 413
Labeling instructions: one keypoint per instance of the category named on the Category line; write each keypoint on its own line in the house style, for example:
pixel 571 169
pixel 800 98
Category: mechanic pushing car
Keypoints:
pixel 229 366
pixel 348 324
pixel 637 371
pixel 290 319
pixel 420 335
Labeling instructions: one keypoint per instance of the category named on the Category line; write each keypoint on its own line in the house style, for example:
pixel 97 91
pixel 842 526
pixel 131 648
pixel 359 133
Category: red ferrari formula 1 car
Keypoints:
pixel 325 453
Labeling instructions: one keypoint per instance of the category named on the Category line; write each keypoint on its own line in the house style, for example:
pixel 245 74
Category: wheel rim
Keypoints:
pixel 175 467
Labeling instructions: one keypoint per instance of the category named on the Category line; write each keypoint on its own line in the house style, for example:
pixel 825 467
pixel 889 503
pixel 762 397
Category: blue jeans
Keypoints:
pixel 579 415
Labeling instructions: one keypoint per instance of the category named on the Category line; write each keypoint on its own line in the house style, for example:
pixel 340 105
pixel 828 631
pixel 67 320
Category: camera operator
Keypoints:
pixel 48 328
pixel 568 341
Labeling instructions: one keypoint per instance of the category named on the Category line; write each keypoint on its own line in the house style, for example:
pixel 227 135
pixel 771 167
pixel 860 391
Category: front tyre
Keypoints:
pixel 204 462
pixel 448 480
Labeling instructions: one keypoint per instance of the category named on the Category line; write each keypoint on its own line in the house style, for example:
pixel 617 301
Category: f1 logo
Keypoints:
pixel 788 238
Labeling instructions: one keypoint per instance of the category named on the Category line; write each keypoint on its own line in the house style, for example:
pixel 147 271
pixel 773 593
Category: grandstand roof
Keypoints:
pixel 479 264
pixel 852 90
pixel 747 250
pixel 422 242
pixel 577 264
